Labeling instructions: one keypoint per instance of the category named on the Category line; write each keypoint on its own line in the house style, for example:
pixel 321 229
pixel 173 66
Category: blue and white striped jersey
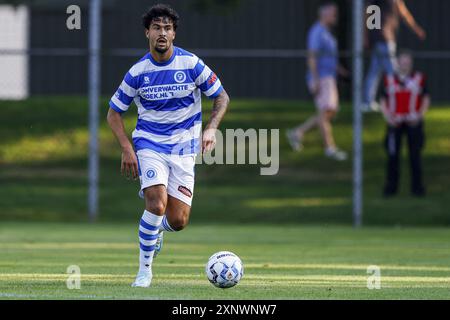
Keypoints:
pixel 168 98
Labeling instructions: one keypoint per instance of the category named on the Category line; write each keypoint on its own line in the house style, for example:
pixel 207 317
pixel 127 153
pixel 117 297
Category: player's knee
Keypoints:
pixel 155 202
pixel 180 222
pixel 329 114
pixel 156 206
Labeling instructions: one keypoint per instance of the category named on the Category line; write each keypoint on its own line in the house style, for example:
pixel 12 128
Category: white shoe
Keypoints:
pixel 375 106
pixel 294 140
pixel 336 154
pixel 372 107
pixel 143 279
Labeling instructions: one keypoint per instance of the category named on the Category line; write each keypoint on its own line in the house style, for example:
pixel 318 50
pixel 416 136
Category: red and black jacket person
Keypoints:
pixel 404 103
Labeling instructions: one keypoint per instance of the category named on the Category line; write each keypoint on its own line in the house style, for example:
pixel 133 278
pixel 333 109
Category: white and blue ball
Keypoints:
pixel 224 269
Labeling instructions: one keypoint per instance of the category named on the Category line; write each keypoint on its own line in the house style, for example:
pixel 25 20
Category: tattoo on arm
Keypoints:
pixel 219 109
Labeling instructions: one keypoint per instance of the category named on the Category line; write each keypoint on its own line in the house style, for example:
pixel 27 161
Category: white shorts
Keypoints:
pixel 327 98
pixel 175 172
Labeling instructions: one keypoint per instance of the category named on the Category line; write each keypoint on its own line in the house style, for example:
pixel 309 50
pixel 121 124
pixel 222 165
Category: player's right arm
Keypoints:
pixel 313 47
pixel 119 103
pixel 388 116
pixel 385 112
pixel 129 164
pixel 312 66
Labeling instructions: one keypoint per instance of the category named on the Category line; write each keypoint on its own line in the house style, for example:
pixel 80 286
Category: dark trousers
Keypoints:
pixel 393 143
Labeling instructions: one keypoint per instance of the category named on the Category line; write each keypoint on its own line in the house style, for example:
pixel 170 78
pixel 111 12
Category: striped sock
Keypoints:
pixel 165 226
pixel 148 232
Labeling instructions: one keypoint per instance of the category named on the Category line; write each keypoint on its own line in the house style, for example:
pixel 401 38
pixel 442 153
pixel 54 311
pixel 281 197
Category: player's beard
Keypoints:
pixel 161 50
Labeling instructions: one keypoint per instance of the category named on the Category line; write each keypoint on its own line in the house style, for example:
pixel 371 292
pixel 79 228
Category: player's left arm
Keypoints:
pixel 343 72
pixel 424 104
pixel 208 83
pixel 426 101
pixel 426 98
pixel 220 107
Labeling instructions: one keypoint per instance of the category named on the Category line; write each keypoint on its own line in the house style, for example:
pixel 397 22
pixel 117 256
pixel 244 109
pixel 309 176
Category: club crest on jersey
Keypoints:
pixel 179 76
pixel 146 79
pixel 150 173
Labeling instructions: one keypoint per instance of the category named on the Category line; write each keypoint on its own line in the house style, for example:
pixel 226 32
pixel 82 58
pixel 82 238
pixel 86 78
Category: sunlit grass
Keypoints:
pixel 300 263
pixel 60 145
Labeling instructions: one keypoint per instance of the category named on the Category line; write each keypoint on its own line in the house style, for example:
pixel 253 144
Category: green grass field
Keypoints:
pixel 292 230
pixel 287 262
pixel 43 177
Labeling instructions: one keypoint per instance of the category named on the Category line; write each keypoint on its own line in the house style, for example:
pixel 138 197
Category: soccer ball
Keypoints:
pixel 224 269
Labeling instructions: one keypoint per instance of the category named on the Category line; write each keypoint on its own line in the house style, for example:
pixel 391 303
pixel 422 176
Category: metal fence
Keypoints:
pixel 256 46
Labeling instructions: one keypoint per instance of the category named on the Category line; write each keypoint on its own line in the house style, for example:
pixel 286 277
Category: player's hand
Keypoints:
pixel 420 33
pixel 413 120
pixel 129 166
pixel 314 86
pixel 344 73
pixel 208 140
pixel 392 121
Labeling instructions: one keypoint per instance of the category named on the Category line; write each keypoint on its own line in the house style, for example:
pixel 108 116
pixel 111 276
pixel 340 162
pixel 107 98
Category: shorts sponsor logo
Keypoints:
pixel 150 173
pixel 185 191
pixel 179 76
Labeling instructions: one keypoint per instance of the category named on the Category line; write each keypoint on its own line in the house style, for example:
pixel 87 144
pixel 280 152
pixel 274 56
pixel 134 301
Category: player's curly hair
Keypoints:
pixel 160 10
